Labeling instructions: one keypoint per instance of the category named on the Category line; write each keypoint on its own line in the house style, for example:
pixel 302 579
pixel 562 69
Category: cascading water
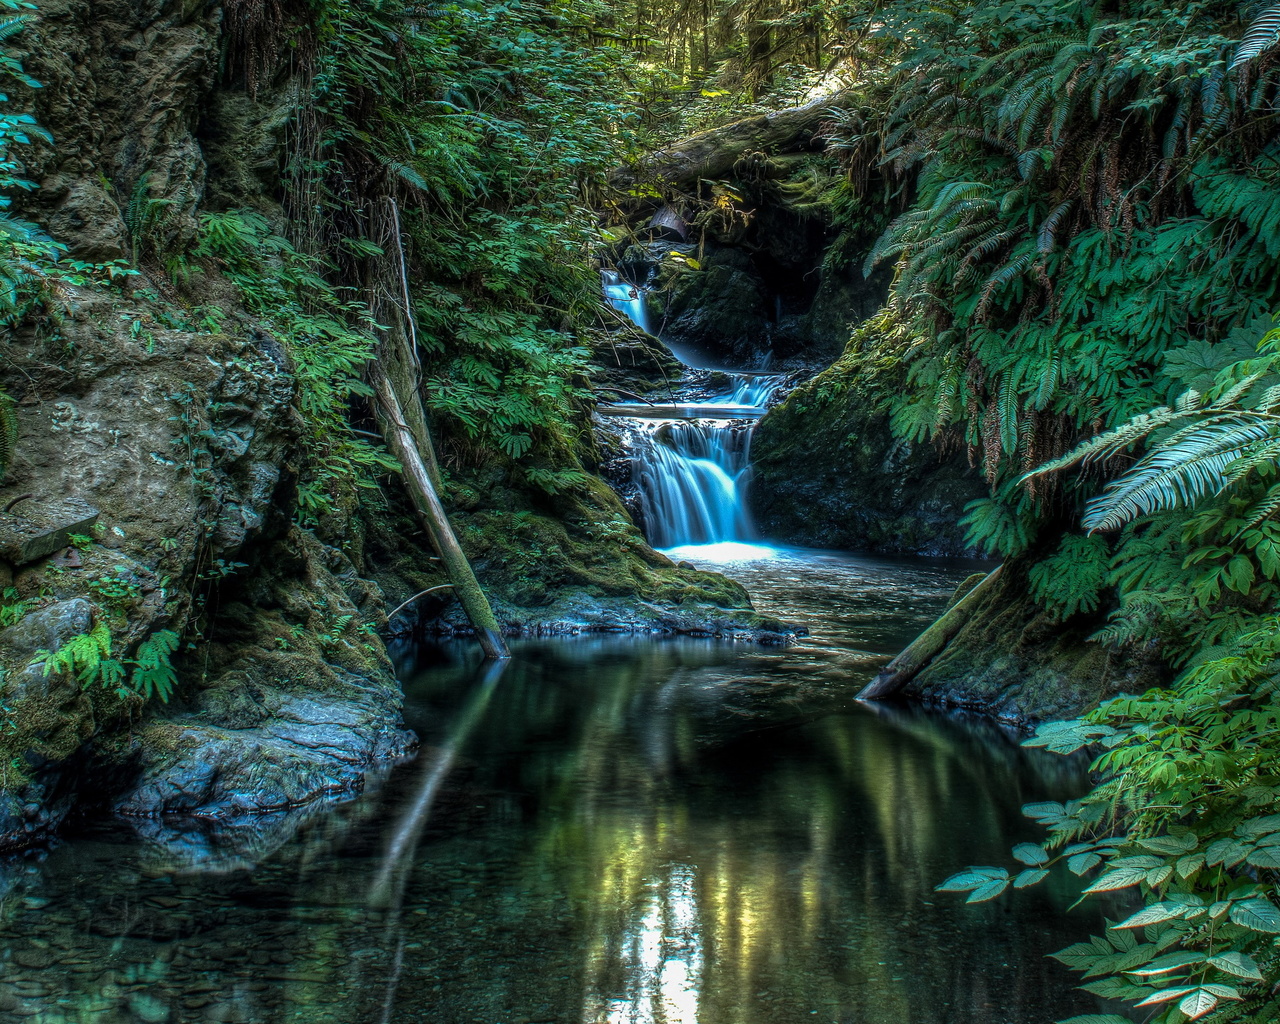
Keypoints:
pixel 691 461
pixel 626 298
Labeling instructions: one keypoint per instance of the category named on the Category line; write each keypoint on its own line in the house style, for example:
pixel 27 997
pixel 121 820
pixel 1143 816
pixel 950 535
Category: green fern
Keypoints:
pixel 87 658
pixel 1260 36
pixel 153 673
pixel 1072 579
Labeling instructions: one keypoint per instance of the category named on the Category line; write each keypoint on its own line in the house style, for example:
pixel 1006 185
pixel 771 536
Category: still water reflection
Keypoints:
pixel 609 831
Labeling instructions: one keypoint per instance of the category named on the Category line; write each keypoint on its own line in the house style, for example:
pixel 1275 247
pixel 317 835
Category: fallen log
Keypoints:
pixel 402 444
pixel 712 154
pixel 929 644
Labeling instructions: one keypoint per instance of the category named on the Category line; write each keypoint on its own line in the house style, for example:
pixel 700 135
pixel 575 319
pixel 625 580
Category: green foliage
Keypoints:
pixel 25 251
pixel 88 659
pixel 153 673
pixel 1184 816
pixel 1073 578
pixel 1094 209
pixel 328 337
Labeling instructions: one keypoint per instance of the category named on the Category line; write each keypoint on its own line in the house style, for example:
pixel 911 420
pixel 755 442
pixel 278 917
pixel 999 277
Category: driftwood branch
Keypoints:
pixel 403 445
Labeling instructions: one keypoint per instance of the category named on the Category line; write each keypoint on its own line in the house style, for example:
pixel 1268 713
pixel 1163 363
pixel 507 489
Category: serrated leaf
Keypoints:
pixel 963 881
pixel 1030 854
pixel 1240 964
pixel 1045 812
pixel 1157 876
pixel 1165 964
pixel 1165 995
pixel 1264 857
pixel 1219 908
pixel 1169 845
pixel 1097 1018
pixel 1228 852
pixel 1120 879
pixel 1257 915
pixel 1198 1004
pixel 1189 865
pixel 1082 862
pixel 1222 991
pixel 1030 877
pixel 989 891
pixel 1080 955
pixel 1255 827
pixel 1156 914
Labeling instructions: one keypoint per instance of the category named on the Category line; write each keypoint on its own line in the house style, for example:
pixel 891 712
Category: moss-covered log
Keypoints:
pixel 712 154
pixel 907 665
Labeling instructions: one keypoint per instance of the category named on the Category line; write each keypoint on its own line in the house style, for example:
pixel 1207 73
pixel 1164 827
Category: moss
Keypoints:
pixel 828 472
pixel 1016 661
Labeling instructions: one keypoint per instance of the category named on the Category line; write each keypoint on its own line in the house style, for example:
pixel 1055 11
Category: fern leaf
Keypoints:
pixel 1177 474
pixel 1261 35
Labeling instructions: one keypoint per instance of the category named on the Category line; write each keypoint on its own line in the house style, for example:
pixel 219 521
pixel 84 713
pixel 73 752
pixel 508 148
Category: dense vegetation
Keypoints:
pixel 1089 244
pixel 1082 203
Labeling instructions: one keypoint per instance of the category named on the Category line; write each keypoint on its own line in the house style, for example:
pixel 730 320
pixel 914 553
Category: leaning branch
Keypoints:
pixel 401 443
pixel 929 644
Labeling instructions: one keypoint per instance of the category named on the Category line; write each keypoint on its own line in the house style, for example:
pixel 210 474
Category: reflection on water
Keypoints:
pixel 614 831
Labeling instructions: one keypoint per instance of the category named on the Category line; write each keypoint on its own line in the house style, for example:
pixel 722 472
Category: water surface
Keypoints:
pixel 608 831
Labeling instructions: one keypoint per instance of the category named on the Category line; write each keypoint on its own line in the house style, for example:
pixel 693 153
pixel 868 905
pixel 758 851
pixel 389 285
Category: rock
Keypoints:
pixel 1015 662
pixel 828 473
pixel 44 528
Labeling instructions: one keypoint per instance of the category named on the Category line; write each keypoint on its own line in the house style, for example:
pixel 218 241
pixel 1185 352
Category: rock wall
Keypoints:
pixel 828 473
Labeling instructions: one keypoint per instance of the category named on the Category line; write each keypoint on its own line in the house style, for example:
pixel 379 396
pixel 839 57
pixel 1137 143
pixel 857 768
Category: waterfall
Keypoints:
pixel 691 462
pixel 691 475
pixel 626 298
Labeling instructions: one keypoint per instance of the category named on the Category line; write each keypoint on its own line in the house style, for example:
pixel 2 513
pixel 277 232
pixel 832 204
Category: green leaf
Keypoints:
pixel 1030 854
pixel 1097 1018
pixel 1030 877
pixel 1258 915
pixel 1082 862
pixel 1166 964
pixel 1189 865
pixel 1156 914
pixel 1198 1003
pixel 1119 879
pixel 1264 857
pixel 971 878
pixel 1240 964
pixel 1165 995
pixel 989 891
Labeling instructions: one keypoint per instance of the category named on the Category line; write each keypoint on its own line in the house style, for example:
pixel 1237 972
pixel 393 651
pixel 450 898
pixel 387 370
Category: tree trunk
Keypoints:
pixel 403 445
pixel 712 154
pixel 924 648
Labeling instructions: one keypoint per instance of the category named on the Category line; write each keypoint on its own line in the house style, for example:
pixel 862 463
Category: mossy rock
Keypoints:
pixel 829 473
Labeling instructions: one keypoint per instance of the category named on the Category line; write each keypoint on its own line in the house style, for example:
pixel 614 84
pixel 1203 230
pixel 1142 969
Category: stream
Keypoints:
pixel 605 830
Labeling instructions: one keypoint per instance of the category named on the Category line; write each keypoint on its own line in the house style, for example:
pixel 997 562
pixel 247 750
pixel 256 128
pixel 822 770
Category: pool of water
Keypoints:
pixel 604 831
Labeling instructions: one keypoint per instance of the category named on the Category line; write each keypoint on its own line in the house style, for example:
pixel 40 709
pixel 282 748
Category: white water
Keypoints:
pixel 692 461
pixel 626 298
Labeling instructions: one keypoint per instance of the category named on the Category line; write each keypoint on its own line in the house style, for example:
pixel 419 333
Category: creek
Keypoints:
pixel 605 830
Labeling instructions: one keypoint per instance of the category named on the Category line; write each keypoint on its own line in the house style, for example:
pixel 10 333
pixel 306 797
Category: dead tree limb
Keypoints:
pixel 712 154
pixel 402 444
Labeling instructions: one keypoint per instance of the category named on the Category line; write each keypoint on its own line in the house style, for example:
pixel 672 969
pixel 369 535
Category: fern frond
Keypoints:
pixel 1173 475
pixel 1260 36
